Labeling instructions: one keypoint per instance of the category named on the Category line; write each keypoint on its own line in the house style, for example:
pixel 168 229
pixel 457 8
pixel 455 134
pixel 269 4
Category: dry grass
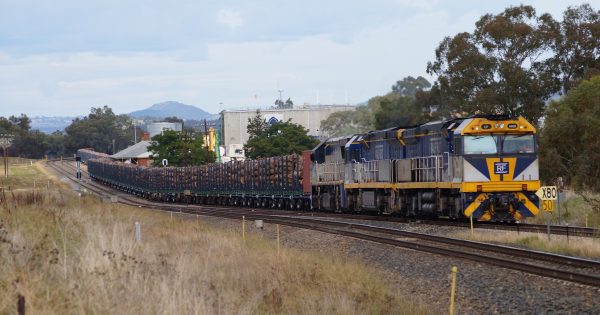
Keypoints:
pixel 78 255
pixel 22 175
pixel 574 246
pixel 573 211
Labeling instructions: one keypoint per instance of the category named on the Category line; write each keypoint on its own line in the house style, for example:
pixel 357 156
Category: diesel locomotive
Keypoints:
pixel 482 166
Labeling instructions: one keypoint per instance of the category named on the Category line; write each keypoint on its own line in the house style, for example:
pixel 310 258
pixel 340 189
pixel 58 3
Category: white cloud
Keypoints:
pixel 230 18
pixel 232 72
pixel 306 60
pixel 420 4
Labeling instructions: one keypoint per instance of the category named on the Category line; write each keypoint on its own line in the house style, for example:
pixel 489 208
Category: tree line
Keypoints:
pixel 27 142
pixel 101 130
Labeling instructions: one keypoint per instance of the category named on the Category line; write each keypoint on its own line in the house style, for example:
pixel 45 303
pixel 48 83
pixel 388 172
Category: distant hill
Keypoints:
pixel 50 124
pixel 171 108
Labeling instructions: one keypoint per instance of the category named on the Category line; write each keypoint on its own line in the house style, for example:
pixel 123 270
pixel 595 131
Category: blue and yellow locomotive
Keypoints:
pixel 483 166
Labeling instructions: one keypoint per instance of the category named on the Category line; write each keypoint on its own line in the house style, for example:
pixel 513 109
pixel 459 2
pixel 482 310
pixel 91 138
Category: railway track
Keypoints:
pixel 560 267
pixel 519 227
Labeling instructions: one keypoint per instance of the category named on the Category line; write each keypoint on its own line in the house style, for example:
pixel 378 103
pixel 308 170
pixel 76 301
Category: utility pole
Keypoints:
pixel 206 137
pixel 5 142
pixel 113 142
pixel 280 98
pixel 134 134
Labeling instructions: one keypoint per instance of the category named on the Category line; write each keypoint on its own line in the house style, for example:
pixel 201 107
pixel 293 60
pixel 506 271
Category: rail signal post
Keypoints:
pixel 5 142
pixel 78 161
pixel 547 195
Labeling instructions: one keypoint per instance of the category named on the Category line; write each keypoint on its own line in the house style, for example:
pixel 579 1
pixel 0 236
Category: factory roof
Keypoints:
pixel 138 150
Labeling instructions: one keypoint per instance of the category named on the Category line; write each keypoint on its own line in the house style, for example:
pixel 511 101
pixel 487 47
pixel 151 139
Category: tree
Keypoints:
pixel 396 110
pixel 56 143
pixel 569 142
pixel 284 105
pixel 289 103
pixel 432 104
pixel 23 122
pixel 348 122
pixel 577 45
pixel 26 142
pixel 409 86
pixel 278 139
pixel 31 144
pixel 500 68
pixel 180 149
pixel 98 131
pixel 256 125
pixel 409 103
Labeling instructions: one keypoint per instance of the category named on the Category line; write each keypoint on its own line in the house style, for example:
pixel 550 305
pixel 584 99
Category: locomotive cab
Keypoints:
pixel 500 171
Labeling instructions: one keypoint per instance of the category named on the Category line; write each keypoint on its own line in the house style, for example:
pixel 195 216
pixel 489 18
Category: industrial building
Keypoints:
pixel 158 127
pixel 235 122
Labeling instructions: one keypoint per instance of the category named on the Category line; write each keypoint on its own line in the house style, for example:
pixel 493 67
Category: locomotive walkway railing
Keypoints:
pixel 330 172
pixel 436 168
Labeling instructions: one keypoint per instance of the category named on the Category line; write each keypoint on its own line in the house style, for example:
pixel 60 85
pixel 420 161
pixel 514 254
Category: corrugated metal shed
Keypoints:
pixel 136 151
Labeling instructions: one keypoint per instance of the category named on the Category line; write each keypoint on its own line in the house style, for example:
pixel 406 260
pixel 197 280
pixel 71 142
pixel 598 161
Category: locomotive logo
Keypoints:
pixel 501 168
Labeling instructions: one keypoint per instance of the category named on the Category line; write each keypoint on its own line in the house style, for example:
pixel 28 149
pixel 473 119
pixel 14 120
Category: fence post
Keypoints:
pixel 244 228
pixel 548 227
pixel 278 247
pixel 138 232
pixel 21 305
pixel 471 218
pixel 454 271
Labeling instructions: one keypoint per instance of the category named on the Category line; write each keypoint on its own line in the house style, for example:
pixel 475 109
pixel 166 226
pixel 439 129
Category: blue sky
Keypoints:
pixel 62 57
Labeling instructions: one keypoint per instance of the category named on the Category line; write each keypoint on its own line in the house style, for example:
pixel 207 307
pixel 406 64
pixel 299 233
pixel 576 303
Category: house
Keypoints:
pixel 137 153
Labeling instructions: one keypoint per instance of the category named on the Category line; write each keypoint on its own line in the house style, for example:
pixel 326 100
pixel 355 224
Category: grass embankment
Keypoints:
pixel 22 175
pixel 573 211
pixel 574 246
pixel 67 254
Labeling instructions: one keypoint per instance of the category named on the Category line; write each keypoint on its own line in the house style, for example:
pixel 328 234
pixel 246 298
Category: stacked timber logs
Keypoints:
pixel 87 154
pixel 274 175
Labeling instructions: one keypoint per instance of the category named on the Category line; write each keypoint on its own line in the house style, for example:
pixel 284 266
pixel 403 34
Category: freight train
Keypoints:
pixel 482 166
